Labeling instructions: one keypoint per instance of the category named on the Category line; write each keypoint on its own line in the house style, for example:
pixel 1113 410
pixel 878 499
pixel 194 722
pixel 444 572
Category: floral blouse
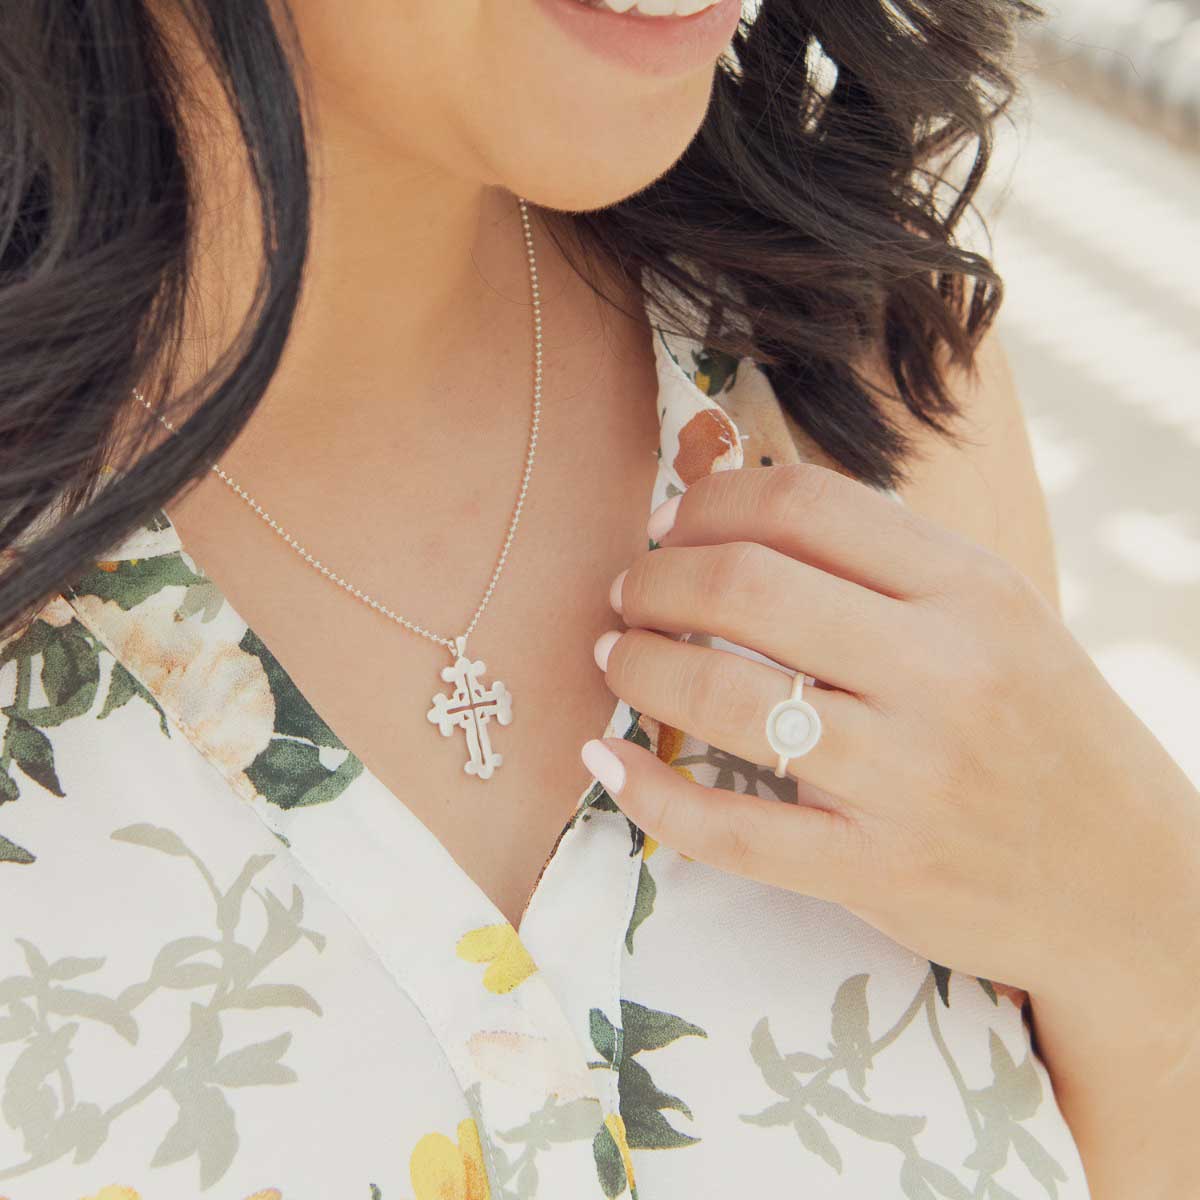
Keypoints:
pixel 236 966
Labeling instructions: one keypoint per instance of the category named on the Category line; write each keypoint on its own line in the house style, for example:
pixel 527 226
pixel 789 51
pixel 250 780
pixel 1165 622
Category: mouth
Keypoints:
pixel 653 37
pixel 651 8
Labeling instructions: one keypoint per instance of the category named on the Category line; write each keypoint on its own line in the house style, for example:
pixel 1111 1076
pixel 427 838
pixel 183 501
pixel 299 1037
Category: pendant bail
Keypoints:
pixel 459 649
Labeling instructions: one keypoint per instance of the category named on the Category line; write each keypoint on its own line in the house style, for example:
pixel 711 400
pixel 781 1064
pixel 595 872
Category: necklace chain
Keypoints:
pixel 358 593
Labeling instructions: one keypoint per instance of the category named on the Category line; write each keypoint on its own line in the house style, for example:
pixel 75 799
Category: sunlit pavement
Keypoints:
pixel 1098 237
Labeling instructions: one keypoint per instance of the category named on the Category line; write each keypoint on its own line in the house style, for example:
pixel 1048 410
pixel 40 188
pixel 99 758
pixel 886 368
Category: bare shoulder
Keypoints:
pixel 985 487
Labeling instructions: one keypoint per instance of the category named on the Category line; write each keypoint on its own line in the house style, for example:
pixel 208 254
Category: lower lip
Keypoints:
pixel 650 45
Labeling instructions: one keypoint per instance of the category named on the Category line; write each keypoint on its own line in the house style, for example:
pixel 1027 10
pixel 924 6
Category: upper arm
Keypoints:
pixel 987 487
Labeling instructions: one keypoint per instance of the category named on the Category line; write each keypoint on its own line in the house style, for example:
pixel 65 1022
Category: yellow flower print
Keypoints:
pixel 616 1126
pixel 441 1170
pixel 269 1194
pixel 498 945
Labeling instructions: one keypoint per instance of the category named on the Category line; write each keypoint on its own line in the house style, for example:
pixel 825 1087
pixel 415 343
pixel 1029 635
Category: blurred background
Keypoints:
pixel 1094 210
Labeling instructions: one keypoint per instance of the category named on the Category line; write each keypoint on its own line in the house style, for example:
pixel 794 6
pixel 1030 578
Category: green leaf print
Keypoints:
pixel 610 1170
pixel 649 1029
pixel 29 748
pixel 291 771
pixel 643 904
pixel 810 1098
pixel 291 774
pixel 11 852
pixel 851 1033
pixel 134 580
pixel 41 1093
pixel 294 716
pixel 642 1109
pixel 69 674
pixel 1014 1095
pixel 60 665
pixel 606 1036
pixel 153 836
pixel 642 1102
pixel 123 687
pixel 554 1122
pixel 941 976
pixel 714 371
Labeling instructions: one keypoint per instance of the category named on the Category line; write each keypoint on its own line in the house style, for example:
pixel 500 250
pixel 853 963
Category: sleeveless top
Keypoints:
pixel 237 966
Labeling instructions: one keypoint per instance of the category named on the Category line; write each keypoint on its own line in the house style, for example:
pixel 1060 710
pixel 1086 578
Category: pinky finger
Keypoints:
pixel 800 847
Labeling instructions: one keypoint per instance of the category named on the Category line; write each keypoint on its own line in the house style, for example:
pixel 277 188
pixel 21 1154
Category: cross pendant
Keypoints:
pixel 470 708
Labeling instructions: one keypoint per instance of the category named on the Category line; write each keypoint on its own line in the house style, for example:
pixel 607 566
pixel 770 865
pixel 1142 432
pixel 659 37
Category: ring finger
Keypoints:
pixel 723 698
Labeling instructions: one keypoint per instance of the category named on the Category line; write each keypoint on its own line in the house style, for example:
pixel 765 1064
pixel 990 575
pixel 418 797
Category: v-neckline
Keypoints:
pixel 696 436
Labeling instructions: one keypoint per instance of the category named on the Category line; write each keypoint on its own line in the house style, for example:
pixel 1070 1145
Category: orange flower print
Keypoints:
pixel 704 441
pixel 442 1170
pixel 498 945
pixel 1015 994
pixel 668 744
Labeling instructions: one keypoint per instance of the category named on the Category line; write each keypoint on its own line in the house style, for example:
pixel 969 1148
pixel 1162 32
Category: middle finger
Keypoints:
pixel 790 611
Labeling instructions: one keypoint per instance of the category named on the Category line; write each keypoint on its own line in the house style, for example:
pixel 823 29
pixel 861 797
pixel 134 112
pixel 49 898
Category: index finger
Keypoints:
pixel 823 518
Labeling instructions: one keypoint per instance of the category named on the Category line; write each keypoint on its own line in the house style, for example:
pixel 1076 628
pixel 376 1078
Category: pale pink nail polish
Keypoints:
pixel 604 765
pixel 614 592
pixel 663 518
pixel 604 644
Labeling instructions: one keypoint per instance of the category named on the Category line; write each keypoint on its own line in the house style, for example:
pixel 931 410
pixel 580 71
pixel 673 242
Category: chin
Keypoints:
pixel 595 152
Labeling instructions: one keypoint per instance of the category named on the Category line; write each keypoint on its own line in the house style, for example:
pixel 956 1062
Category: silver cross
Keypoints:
pixel 470 708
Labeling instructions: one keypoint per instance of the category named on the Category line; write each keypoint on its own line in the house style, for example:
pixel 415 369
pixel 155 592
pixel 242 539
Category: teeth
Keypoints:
pixel 653 8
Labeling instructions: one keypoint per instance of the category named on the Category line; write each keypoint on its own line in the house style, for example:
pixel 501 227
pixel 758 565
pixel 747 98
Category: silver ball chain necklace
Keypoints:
pixel 471 706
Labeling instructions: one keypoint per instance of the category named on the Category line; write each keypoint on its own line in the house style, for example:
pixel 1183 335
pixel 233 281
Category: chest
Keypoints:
pixel 373 681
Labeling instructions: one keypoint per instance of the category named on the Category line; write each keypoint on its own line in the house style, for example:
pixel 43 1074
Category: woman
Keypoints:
pixel 871 886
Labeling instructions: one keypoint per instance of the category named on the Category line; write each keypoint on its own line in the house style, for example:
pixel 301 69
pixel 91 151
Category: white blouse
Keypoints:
pixel 237 966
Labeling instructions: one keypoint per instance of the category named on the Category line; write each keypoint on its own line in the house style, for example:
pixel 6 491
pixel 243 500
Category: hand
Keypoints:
pixel 979 792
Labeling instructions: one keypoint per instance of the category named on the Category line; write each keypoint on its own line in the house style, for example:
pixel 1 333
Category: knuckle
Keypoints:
pixel 714 690
pixel 920 862
pixel 656 814
pixel 793 488
pixel 626 662
pixel 642 585
pixel 1002 583
pixel 738 848
pixel 736 573
pixel 964 673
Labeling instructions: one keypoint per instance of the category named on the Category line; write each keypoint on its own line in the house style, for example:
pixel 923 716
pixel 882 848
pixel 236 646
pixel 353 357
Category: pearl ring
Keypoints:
pixel 793 725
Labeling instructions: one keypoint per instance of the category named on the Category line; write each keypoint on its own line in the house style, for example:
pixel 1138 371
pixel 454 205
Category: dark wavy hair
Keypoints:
pixel 817 188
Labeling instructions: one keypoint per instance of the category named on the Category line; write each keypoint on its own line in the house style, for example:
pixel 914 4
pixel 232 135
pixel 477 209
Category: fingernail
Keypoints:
pixel 604 765
pixel 662 518
pixel 603 647
pixel 614 592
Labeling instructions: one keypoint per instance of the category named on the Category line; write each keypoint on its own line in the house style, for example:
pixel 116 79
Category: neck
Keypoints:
pixel 416 280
